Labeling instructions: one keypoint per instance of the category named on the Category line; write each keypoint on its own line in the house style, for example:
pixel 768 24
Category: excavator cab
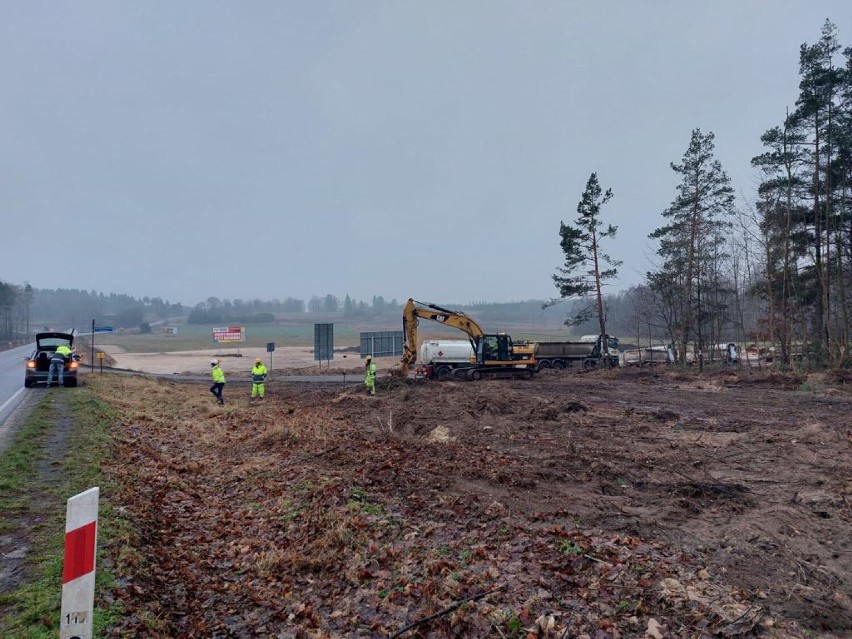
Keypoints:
pixel 494 348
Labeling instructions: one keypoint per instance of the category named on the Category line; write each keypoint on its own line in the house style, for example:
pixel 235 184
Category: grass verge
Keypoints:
pixel 32 507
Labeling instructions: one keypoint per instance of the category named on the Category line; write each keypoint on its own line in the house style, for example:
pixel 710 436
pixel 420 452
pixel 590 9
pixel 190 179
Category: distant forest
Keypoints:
pixel 25 310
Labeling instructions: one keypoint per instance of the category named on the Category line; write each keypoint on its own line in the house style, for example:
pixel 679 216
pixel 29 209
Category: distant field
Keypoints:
pixel 198 336
pixel 299 333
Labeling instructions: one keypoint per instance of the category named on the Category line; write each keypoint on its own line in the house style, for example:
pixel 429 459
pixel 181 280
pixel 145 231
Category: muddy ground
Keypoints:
pixel 739 485
pixel 608 504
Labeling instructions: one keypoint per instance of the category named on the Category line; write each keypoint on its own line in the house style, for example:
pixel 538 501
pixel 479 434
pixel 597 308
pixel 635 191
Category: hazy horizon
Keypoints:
pixel 428 150
pixel 368 300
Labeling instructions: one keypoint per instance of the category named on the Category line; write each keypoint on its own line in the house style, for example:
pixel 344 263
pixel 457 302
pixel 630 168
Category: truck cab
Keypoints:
pixel 612 349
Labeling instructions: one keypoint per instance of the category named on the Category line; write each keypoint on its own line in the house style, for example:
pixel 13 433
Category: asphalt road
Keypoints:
pixel 12 389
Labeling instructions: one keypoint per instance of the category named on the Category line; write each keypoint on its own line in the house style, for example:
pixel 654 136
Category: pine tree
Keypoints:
pixel 782 220
pixel 816 110
pixel 843 181
pixel 582 272
pixel 690 240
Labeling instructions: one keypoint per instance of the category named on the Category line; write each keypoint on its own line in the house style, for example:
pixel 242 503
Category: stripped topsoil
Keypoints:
pixel 608 504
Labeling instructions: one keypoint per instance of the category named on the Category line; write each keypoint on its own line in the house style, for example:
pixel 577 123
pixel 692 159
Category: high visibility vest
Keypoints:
pixel 63 351
pixel 258 374
pixel 218 375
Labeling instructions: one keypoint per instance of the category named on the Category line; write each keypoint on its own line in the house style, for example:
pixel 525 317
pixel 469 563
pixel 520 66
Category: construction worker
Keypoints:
pixel 218 381
pixel 732 355
pixel 370 379
pixel 57 364
pixel 258 379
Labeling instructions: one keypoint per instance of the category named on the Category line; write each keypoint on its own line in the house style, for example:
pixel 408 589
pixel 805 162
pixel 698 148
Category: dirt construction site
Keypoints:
pixel 289 360
pixel 613 504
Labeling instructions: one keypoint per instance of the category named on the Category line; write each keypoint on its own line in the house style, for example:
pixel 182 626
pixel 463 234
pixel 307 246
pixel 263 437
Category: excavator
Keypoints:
pixel 494 354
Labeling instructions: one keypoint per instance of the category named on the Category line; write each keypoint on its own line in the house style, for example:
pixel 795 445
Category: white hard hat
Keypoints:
pixel 213 362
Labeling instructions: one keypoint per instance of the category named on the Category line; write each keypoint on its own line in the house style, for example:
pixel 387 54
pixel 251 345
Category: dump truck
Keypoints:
pixel 586 353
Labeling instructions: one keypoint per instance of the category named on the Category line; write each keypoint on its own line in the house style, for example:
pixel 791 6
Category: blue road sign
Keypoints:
pixel 270 346
pixel 103 329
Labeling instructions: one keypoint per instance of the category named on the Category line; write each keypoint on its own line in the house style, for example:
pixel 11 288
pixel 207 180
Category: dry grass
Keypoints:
pixel 385 508
pixel 440 434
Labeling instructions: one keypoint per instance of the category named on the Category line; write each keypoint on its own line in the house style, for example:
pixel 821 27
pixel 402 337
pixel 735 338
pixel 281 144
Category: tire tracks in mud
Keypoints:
pixel 744 472
pixel 754 477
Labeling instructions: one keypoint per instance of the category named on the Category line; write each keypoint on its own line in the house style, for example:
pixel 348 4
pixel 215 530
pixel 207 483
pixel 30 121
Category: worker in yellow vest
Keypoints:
pixel 370 379
pixel 218 381
pixel 258 379
pixel 57 364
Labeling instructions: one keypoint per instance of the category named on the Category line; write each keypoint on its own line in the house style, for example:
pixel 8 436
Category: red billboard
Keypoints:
pixel 229 334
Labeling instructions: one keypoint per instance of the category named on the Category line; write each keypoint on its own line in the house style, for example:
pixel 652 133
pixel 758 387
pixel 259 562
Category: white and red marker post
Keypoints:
pixel 78 572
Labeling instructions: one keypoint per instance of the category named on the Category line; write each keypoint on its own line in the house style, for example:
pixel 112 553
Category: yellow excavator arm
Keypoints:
pixel 414 310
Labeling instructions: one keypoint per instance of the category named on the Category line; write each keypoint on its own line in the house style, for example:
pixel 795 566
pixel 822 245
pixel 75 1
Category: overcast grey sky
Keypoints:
pixel 406 149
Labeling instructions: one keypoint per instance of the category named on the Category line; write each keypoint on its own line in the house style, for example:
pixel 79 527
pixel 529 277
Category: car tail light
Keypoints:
pixel 30 364
pixel 73 365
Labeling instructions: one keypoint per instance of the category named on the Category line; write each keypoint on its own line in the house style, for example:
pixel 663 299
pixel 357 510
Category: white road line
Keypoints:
pixel 10 400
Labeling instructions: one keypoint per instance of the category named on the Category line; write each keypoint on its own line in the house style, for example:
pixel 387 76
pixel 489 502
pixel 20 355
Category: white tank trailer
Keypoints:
pixel 439 357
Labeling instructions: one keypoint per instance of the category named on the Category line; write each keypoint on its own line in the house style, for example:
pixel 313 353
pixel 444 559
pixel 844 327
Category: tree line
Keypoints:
pixel 25 310
pixel 15 305
pixel 777 271
pixel 802 220
pixel 214 310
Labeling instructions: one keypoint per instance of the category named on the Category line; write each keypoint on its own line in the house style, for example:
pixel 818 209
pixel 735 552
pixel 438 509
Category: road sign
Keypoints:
pixel 382 344
pixel 323 342
pixel 270 347
pixel 103 329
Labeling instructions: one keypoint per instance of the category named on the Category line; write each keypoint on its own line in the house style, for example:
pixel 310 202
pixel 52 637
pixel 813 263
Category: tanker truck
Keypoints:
pixel 586 353
pixel 438 358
